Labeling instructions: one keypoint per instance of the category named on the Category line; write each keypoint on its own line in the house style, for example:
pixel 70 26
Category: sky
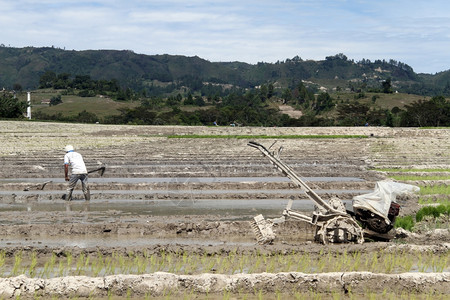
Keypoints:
pixel 414 32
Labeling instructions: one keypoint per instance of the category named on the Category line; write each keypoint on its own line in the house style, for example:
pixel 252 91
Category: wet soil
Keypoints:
pixel 198 195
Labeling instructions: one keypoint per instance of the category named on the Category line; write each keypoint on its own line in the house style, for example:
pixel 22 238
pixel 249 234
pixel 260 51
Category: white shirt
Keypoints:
pixel 75 160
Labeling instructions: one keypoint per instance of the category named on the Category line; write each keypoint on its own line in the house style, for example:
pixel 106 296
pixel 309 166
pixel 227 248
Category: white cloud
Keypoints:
pixel 416 33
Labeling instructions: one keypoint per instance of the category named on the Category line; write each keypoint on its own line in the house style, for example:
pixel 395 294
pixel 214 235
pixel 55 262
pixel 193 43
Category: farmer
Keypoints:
pixel 78 172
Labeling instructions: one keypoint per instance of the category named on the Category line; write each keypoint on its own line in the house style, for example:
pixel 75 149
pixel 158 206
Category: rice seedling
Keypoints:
pixel 406 222
pixel 111 266
pixel 401 170
pixel 109 294
pixel 17 263
pixel 289 264
pixel 227 295
pixel 373 262
pixel 335 295
pixel 438 263
pixel 403 260
pixel 48 267
pixel 434 211
pixel 33 264
pixel 98 265
pixel 80 264
pixel 419 177
pixel 271 266
pixel 356 261
pixel 68 258
pixel 294 136
pixel 61 269
pixel 181 263
pixel 435 189
pixel 256 265
pixel 259 294
pixel 210 265
pixel 141 264
pixel 2 261
pixel 389 263
pixel 433 201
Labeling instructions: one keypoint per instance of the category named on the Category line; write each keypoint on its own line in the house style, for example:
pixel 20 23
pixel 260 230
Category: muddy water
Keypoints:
pixel 114 241
pixel 186 179
pixel 175 192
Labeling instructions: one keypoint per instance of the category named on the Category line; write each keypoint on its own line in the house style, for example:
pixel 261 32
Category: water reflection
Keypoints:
pixel 212 179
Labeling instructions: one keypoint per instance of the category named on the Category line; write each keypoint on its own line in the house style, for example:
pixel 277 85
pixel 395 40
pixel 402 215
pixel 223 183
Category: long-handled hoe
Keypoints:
pixel 40 186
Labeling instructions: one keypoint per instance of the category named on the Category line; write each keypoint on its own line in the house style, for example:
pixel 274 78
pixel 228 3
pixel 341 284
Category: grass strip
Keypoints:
pixel 435 189
pixel 218 136
pixel 418 177
pixel 398 170
pixel 432 201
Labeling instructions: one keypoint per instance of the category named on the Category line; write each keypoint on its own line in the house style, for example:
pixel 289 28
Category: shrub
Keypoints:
pixel 55 100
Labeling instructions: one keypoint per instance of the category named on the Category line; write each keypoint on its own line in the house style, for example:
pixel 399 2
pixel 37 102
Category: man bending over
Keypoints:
pixel 78 172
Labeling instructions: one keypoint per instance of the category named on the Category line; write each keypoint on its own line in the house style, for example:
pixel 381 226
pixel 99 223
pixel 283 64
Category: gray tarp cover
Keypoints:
pixel 380 199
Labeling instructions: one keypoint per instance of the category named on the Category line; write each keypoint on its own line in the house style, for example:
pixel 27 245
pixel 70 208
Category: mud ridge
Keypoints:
pixel 161 284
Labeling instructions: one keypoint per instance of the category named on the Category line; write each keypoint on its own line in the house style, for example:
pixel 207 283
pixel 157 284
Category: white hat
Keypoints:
pixel 68 148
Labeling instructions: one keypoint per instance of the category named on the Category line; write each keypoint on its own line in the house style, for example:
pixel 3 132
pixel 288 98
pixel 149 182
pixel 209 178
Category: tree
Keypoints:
pixel 62 81
pixel 87 117
pixel 352 113
pixel 302 95
pixel 270 90
pixel 152 103
pixel 263 91
pixel 324 102
pixel 17 87
pixel 174 101
pixel 82 82
pixel 189 100
pixel 55 100
pixel 286 95
pixel 11 107
pixel 199 101
pixel 435 112
pixel 47 80
pixel 387 86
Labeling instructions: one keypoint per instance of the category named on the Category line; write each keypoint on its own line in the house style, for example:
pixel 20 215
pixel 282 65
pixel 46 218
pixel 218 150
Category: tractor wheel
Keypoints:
pixel 340 229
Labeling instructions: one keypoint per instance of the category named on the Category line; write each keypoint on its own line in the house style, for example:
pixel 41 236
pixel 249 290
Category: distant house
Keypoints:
pixel 45 101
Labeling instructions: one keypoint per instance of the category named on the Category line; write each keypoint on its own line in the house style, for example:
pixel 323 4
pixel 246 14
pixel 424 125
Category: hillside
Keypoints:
pixel 24 66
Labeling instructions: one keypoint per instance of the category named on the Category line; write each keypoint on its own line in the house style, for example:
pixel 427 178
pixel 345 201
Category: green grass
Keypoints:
pixel 73 105
pixel 418 177
pixel 384 100
pixel 434 127
pixel 435 211
pixel 217 136
pixel 399 170
pixel 430 200
pixel 406 222
pixel 435 189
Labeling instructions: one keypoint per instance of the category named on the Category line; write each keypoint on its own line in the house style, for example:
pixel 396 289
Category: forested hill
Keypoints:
pixel 23 67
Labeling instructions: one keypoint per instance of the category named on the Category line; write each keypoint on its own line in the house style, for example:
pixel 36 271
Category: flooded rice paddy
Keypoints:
pixel 168 204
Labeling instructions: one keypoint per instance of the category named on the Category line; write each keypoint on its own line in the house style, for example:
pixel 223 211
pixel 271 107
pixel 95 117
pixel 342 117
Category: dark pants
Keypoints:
pixel 84 186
